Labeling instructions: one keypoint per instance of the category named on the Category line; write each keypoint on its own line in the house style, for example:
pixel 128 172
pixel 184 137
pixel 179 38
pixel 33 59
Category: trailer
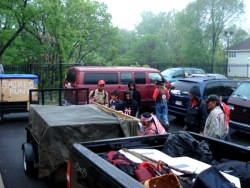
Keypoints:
pixel 52 131
pixel 14 89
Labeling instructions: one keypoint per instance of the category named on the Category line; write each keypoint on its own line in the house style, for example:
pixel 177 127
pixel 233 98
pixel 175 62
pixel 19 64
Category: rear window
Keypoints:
pixel 71 76
pixel 182 86
pixel 92 78
pixel 214 88
pixel 198 71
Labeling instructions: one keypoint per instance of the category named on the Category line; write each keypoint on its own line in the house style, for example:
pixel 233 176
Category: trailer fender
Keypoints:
pixel 29 152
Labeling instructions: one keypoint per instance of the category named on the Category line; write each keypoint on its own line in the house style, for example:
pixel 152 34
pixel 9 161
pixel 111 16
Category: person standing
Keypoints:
pixel 115 101
pixel 161 96
pixel 99 95
pixel 216 124
pixel 129 106
pixel 196 112
pixel 135 93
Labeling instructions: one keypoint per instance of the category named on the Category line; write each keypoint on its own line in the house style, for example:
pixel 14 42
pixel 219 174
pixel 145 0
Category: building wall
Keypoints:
pixel 239 66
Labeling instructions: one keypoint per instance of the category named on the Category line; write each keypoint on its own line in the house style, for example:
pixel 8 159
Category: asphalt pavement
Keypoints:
pixel 13 134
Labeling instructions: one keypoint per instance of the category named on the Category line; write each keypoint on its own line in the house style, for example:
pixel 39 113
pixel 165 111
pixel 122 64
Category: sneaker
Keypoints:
pixel 166 126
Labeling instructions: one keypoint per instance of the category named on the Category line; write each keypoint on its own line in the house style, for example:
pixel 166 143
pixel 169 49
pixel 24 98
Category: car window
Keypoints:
pixel 179 74
pixel 243 91
pixel 126 77
pixel 182 86
pixel 168 72
pixel 228 87
pixel 198 71
pixel 213 88
pixel 92 78
pixel 153 77
pixel 71 76
pixel 187 73
pixel 140 78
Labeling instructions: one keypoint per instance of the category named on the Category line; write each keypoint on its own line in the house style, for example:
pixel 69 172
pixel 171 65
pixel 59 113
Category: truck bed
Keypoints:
pixel 88 169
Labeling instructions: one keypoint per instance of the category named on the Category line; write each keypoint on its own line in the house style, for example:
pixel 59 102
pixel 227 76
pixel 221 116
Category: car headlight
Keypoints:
pixel 231 107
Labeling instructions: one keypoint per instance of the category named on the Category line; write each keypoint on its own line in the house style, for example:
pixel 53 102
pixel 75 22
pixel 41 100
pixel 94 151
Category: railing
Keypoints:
pixel 60 96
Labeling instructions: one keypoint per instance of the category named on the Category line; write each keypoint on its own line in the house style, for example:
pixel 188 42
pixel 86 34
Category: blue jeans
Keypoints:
pixel 162 109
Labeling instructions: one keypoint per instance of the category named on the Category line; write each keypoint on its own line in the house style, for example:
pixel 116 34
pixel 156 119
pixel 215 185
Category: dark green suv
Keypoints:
pixel 179 91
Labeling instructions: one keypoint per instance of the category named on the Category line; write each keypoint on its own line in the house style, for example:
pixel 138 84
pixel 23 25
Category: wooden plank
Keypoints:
pixel 119 113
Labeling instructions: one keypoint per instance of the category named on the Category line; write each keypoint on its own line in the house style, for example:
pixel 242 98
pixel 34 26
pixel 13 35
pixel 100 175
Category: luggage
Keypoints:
pixel 183 144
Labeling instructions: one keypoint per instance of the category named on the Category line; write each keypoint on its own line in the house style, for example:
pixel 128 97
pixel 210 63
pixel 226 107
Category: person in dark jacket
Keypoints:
pixel 129 106
pixel 136 94
pixel 197 112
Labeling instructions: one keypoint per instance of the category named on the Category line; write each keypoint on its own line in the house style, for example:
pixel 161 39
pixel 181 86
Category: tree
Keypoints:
pixel 15 17
pixel 149 49
pixel 207 20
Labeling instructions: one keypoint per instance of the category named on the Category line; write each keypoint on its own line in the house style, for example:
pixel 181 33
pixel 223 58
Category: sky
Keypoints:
pixel 126 13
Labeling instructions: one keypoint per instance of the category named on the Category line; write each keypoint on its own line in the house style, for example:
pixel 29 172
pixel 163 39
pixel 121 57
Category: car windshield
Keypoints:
pixel 168 72
pixel 243 91
pixel 182 86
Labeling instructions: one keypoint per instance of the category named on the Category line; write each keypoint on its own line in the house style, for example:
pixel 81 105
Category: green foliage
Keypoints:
pixel 80 32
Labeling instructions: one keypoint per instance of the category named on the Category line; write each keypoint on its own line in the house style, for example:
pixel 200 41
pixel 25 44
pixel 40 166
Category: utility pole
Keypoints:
pixel 228 34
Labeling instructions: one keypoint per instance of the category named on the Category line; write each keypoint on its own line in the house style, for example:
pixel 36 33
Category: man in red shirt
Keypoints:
pixel 161 96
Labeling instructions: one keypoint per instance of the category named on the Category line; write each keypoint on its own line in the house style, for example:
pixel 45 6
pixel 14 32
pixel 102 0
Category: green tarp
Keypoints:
pixel 56 128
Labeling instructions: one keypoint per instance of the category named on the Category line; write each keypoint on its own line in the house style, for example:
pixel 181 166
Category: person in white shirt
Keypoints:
pixel 99 95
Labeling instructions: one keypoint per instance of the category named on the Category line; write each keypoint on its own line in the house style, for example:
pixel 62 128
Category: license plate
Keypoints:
pixel 178 103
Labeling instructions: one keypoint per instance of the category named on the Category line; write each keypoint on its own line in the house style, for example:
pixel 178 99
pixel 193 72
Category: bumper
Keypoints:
pixel 242 127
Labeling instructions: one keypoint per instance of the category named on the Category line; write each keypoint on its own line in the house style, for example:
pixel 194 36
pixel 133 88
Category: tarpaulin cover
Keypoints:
pixel 56 128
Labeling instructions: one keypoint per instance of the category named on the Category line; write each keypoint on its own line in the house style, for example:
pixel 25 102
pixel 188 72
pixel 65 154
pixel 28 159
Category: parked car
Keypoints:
pixel 115 78
pixel 174 74
pixel 179 91
pixel 207 75
pixel 239 104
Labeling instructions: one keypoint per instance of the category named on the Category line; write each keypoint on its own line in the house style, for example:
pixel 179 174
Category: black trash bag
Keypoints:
pixel 211 178
pixel 236 168
pixel 183 144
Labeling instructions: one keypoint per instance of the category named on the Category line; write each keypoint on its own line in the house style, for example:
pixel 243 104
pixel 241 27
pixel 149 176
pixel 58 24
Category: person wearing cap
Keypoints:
pixel 115 101
pixel 99 95
pixel 196 112
pixel 129 106
pixel 161 96
pixel 151 124
pixel 215 126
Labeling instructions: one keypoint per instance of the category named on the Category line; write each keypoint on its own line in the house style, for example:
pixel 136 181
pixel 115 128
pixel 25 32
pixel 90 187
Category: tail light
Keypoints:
pixel 69 174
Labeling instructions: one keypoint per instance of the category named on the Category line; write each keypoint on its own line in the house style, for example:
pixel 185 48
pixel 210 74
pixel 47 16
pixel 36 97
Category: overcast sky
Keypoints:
pixel 126 13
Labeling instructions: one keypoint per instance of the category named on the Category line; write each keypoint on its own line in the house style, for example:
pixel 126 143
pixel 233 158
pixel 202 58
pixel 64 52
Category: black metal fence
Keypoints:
pixel 52 75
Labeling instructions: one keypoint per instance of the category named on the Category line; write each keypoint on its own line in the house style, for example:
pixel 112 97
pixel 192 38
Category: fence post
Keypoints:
pixel 60 74
pixel 30 67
